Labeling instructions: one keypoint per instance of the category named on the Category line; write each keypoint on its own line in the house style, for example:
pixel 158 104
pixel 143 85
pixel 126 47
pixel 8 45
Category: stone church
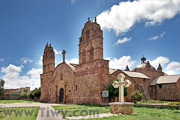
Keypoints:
pixel 84 82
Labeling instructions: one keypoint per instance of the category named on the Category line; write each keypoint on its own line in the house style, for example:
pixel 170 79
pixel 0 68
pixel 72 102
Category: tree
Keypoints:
pixel 114 92
pixel 35 93
pixel 136 96
pixel 1 92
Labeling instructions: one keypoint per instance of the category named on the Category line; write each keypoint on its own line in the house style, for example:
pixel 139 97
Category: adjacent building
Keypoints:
pixel 15 94
pixel 25 91
pixel 12 94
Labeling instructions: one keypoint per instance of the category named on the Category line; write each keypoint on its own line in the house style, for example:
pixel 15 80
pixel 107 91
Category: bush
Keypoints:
pixel 114 92
pixel 35 93
pixel 1 93
pixel 25 96
pixel 136 96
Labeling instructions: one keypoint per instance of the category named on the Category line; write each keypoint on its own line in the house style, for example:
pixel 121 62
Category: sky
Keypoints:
pixel 131 29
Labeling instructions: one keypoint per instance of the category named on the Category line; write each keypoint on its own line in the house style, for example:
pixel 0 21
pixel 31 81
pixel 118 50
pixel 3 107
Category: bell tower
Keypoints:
pixel 91 42
pixel 48 59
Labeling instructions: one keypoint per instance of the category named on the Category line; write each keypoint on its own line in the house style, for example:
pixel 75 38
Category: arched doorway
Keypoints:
pixel 61 95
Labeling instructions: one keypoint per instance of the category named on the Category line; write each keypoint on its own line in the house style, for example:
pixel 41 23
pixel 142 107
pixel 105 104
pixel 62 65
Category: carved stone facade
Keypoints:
pixel 82 83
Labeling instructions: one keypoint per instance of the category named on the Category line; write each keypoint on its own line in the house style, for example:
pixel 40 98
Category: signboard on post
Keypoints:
pixel 105 93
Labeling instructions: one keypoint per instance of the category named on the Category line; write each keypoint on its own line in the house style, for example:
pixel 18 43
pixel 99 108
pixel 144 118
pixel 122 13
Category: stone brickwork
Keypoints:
pixel 121 108
pixel 166 91
pixel 81 83
pixel 48 68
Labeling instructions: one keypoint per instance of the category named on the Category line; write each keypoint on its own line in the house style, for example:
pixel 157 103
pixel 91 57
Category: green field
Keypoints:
pixel 139 113
pixel 15 101
pixel 19 113
pixel 81 110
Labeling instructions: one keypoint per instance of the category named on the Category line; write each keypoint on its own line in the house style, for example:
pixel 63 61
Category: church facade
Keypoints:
pixel 84 82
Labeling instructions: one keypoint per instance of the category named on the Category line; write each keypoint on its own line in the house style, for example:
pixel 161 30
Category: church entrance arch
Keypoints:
pixel 61 95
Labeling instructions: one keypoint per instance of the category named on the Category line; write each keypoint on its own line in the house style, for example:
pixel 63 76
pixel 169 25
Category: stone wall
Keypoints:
pixel 45 86
pixel 91 79
pixel 178 90
pixel 166 91
pixel 63 77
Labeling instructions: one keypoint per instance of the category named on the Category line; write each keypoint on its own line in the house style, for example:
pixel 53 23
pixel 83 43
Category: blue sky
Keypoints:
pixel 131 29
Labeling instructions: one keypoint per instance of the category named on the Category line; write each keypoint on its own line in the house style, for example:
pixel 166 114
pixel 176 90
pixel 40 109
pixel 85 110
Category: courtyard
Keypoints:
pixel 27 110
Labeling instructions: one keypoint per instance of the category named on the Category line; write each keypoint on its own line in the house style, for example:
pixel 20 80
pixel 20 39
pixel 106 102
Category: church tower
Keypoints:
pixel 91 42
pixel 48 59
pixel 48 68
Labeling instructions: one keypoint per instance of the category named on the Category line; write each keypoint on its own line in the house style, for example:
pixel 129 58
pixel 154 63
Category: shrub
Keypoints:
pixel 35 93
pixel 136 96
pixel 1 92
pixel 25 96
pixel 114 92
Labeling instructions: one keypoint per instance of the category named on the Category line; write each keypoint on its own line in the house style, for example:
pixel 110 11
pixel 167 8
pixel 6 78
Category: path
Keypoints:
pixel 46 111
pixel 92 116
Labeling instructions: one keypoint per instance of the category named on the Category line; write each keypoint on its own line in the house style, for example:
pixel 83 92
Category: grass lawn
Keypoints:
pixel 139 113
pixel 15 101
pixel 19 113
pixel 147 114
pixel 80 110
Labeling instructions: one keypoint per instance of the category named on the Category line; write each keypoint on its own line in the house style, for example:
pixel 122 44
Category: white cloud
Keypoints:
pixel 74 61
pixel 73 1
pixel 57 52
pixel 162 60
pixel 2 59
pixel 34 73
pixel 24 60
pixel 170 72
pixel 121 62
pixel 40 61
pixel 173 66
pixel 154 38
pixel 123 16
pixel 121 41
pixel 157 36
pixel 12 69
pixel 13 79
pixel 162 34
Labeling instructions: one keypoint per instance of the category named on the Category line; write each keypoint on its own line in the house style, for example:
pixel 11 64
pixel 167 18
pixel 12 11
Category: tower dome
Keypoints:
pixel 143 66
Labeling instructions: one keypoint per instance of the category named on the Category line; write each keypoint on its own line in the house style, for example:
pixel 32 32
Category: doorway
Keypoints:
pixel 61 95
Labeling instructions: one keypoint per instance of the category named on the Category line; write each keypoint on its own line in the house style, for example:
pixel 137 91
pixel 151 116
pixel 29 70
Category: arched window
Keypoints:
pixel 84 56
pixel 76 87
pixel 87 35
pixel 91 53
pixel 61 76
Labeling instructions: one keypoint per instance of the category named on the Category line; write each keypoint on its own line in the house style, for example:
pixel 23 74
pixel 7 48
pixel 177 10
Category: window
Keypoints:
pixel 136 70
pixel 144 80
pixel 76 87
pixel 160 85
pixel 87 35
pixel 25 90
pixel 61 76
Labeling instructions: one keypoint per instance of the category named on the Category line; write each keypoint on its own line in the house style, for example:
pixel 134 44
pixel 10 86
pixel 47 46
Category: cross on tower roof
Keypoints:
pixel 64 52
pixel 95 19
pixel 143 60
